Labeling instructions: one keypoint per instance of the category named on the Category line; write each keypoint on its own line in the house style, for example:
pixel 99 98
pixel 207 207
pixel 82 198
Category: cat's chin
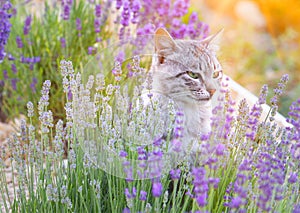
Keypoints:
pixel 201 101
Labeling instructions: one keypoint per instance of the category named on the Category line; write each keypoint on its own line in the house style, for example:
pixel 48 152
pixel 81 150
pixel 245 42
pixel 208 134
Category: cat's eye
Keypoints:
pixel 192 74
pixel 217 74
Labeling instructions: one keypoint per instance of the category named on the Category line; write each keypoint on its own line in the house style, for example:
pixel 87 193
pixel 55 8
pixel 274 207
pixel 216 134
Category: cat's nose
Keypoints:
pixel 211 91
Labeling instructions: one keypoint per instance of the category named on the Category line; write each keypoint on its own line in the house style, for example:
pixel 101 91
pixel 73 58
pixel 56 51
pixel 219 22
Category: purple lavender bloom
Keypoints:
pixel 66 12
pixel 123 154
pixel 156 189
pixel 97 25
pixel 293 178
pixel 120 57
pixel 296 208
pixel 14 68
pixel 236 202
pixel 66 5
pixel 284 79
pixel 176 145
pixel 180 8
pixel 193 18
pixel 63 42
pixel 78 24
pixel 14 83
pixel 2 83
pixel 125 16
pixel 98 10
pixel 143 195
pixel 27 24
pixel 263 94
pixel 135 8
pixel 5 74
pixel 5 27
pixel 175 174
pixel 127 193
pixel 70 95
pixel 200 185
pixel 163 8
pixel 10 57
pixel 126 210
pixel 19 42
pixel 214 181
pixel 176 23
pixel 33 85
pixel 201 199
pixel 36 59
pixel 90 50
pixel 118 4
pixel 220 149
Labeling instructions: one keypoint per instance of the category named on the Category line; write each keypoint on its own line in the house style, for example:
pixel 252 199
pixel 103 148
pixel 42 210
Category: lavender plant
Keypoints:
pixel 31 53
pixel 110 153
pixel 233 170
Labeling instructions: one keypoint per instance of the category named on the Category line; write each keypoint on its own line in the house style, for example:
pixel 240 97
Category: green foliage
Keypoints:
pixel 43 41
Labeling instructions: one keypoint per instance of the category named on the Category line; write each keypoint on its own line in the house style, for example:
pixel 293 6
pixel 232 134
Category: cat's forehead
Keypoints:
pixel 196 55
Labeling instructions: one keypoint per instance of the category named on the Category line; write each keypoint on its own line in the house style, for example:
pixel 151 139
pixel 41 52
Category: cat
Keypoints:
pixel 189 73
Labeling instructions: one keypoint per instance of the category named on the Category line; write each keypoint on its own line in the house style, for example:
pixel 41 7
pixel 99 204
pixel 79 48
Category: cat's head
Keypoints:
pixel 186 70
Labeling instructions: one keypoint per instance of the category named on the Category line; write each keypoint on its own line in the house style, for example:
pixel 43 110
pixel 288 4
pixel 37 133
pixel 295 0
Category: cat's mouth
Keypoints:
pixel 201 95
pixel 199 99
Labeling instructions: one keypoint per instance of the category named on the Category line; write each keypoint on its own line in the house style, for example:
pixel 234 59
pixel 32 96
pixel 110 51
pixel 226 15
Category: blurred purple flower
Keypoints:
pixel 193 18
pixel 263 94
pixel 175 174
pixel 66 12
pixel 127 193
pixel 63 42
pixel 78 24
pixel 118 4
pixel 296 208
pixel 90 50
pixel 200 183
pixel 156 189
pixel 33 85
pixel 135 8
pixel 19 42
pixel 5 74
pixel 143 195
pixel 123 154
pixel 201 199
pixel 98 39
pixel 27 24
pixel 10 57
pixel 70 95
pixel 97 25
pixel 235 202
pixel 180 8
pixel 126 210
pixel 220 149
pixel 14 83
pixel 98 10
pixel 14 68
pixel 5 27
pixel 125 16
pixel 120 57
pixel 293 178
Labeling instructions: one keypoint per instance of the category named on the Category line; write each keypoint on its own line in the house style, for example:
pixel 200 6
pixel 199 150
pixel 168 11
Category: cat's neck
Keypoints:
pixel 197 117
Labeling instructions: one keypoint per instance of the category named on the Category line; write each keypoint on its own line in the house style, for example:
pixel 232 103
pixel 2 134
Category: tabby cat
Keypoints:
pixel 188 72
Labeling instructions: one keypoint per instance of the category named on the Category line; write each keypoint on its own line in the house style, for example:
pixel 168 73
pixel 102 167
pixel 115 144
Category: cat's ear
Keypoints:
pixel 164 43
pixel 212 42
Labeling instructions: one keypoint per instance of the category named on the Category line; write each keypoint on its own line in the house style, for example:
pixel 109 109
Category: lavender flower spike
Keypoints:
pixel 27 24
pixel 5 28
